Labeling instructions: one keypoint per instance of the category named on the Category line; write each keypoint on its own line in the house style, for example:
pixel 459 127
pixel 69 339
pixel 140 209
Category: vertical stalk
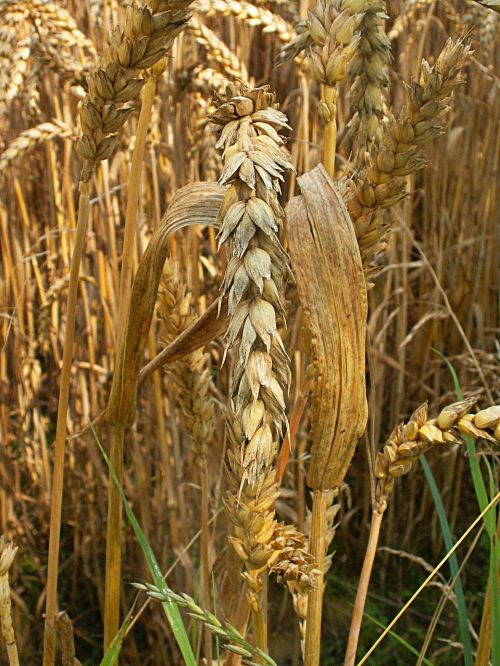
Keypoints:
pixel 113 535
pixel 259 632
pixel 329 97
pixel 133 193
pixel 364 581
pixel 315 600
pixel 49 644
pixel 114 541
pixel 484 643
pixel 205 569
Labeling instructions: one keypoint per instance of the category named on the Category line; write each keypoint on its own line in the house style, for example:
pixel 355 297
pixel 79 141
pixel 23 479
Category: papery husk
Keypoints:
pixel 327 266
pixel 198 203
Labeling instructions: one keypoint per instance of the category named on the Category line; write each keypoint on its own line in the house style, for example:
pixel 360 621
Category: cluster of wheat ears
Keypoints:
pixel 232 235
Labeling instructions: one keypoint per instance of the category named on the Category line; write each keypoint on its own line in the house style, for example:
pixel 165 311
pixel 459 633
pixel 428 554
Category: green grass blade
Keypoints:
pixel 113 651
pixel 171 610
pixel 453 561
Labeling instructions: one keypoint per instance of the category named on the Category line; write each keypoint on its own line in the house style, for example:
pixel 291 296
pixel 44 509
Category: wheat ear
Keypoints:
pixel 368 71
pixel 382 183
pixel 231 637
pixel 255 161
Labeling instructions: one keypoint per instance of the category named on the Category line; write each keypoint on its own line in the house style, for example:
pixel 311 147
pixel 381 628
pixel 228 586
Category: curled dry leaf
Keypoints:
pixel 329 274
pixel 197 203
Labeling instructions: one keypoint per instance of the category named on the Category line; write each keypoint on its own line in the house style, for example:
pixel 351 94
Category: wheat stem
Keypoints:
pixel 113 539
pixel 259 630
pixel 364 581
pixel 205 563
pixel 330 99
pixel 484 643
pixel 315 600
pixel 134 188
pixel 59 444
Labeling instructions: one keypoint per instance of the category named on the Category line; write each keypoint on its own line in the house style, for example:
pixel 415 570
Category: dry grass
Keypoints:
pixel 256 432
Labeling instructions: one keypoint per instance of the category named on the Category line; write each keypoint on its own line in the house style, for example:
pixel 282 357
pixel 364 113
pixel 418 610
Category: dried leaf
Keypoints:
pixel 329 275
pixel 198 203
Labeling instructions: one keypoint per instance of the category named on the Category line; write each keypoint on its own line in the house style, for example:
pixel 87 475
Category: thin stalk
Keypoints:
pixel 205 568
pixel 49 642
pixel 134 190
pixel 114 528
pixel 114 542
pixel 364 582
pixel 12 654
pixel 330 98
pixel 259 632
pixel 315 600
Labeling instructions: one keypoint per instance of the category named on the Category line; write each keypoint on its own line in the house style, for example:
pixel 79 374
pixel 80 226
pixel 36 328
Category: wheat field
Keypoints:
pixel 249 332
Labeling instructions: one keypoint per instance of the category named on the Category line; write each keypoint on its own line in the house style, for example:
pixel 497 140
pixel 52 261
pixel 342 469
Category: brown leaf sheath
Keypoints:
pixel 329 274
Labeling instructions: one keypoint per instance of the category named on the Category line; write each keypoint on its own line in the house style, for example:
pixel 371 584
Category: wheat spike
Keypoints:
pixel 254 163
pixel 420 434
pixel 218 52
pixel 30 138
pixel 383 182
pixel 148 35
pixel 368 71
pixel 192 374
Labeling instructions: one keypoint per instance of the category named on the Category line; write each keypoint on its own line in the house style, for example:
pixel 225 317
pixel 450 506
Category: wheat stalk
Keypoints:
pixel 148 34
